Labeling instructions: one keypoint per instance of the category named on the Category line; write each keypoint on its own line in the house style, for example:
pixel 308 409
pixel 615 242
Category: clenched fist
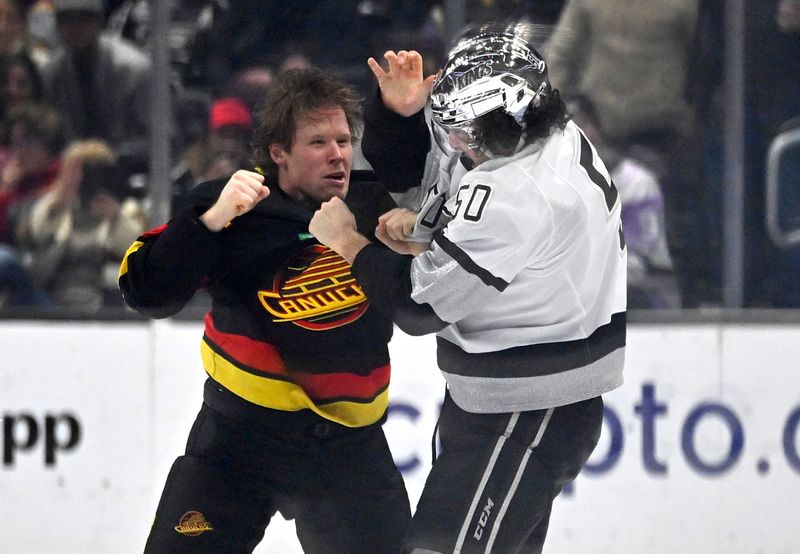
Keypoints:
pixel 242 192
pixel 335 226
pixel 394 230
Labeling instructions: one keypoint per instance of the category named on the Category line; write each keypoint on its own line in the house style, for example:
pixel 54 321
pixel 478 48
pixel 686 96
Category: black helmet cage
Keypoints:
pixel 489 71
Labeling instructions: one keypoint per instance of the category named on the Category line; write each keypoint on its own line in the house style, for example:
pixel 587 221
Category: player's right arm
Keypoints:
pixel 165 266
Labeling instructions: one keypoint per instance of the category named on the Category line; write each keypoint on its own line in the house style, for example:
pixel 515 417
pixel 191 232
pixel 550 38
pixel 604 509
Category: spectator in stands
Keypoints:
pixel 198 34
pixel 632 61
pixel 190 108
pixel 250 85
pixel 12 26
pixel 79 230
pixel 651 279
pixel 17 288
pixel 20 82
pixel 295 60
pixel 220 153
pixel 42 33
pixel 99 83
pixel 32 141
pixel 14 32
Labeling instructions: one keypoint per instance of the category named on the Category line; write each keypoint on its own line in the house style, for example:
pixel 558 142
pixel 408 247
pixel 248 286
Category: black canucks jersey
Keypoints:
pixel 290 328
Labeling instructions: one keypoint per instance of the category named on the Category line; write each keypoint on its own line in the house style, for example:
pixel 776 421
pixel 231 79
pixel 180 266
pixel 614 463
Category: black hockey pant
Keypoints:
pixel 340 485
pixel 493 485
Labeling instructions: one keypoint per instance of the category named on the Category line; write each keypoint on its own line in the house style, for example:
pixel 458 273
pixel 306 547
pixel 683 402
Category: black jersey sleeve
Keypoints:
pixel 164 267
pixel 395 146
pixel 368 199
pixel 386 279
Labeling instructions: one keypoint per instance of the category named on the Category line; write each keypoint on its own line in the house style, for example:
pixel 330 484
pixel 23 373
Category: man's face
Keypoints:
pixel 317 166
pixel 460 141
pixel 452 140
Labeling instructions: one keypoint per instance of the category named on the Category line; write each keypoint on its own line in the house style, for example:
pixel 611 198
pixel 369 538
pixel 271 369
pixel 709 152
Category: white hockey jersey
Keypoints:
pixel 528 266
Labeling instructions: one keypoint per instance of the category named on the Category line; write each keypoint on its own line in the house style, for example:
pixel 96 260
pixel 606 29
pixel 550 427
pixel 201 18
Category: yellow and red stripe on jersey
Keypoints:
pixel 123 267
pixel 255 371
pixel 137 244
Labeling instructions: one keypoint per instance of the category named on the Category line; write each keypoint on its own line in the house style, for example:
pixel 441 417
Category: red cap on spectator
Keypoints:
pixel 229 111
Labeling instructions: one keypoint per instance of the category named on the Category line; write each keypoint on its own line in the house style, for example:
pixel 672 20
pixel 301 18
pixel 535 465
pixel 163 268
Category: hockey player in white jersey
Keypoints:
pixel 516 260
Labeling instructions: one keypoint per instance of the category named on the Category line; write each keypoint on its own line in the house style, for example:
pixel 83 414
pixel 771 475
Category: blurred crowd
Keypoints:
pixel 644 79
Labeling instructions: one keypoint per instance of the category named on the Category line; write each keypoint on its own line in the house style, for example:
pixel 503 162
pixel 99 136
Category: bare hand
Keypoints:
pixel 398 223
pixel 403 88
pixel 242 192
pixel 335 226
pixel 331 221
pixel 394 230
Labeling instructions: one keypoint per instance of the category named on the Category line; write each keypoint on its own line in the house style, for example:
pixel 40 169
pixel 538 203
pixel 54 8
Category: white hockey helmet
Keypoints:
pixel 489 69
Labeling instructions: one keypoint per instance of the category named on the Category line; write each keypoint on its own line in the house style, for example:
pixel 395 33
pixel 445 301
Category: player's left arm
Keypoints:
pixel 384 275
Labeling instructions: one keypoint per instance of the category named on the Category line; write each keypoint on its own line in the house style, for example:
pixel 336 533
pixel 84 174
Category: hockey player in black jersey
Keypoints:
pixel 516 259
pixel 296 355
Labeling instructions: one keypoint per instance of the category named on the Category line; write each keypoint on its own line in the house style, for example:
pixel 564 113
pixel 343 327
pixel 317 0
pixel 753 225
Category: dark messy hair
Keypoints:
pixel 293 95
pixel 500 133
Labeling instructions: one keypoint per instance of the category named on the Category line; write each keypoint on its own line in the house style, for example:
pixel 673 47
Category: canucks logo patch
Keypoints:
pixel 192 524
pixel 316 291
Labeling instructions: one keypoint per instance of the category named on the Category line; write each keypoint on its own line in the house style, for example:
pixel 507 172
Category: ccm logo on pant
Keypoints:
pixel 485 513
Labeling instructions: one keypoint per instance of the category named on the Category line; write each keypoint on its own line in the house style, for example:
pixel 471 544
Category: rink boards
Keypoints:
pixel 700 449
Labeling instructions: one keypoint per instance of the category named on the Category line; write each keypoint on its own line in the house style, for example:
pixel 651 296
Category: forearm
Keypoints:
pixel 394 145
pixel 165 267
pixel 349 244
pixel 386 279
pixel 185 246
pixel 214 220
